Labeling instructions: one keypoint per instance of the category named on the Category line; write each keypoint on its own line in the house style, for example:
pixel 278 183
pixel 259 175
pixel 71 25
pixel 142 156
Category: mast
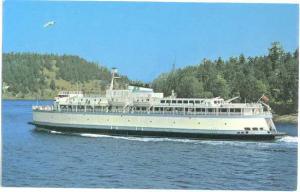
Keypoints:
pixel 113 73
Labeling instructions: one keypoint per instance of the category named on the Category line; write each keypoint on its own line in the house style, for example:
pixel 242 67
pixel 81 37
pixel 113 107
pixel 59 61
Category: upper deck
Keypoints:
pixel 140 100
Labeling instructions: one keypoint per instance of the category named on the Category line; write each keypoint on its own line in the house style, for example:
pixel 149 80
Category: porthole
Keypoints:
pixel 246 132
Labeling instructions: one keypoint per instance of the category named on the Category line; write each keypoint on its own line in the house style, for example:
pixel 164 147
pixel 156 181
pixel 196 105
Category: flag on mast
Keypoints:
pixel 265 98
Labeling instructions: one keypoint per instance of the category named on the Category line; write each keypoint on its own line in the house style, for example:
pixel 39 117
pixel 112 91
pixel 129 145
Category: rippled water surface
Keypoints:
pixel 42 159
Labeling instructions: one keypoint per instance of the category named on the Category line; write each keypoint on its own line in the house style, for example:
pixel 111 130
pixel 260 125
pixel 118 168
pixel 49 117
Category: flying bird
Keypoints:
pixel 49 24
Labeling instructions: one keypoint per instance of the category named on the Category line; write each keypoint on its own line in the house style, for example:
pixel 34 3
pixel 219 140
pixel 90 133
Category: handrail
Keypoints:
pixel 121 110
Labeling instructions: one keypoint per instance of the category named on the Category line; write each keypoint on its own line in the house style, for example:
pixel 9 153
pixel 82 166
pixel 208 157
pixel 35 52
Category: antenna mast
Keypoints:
pixel 113 73
pixel 174 64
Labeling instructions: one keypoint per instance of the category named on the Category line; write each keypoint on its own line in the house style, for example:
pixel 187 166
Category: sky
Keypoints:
pixel 145 39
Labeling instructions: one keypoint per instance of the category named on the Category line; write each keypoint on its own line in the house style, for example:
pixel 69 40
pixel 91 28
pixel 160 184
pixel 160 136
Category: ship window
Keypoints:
pixel 223 110
pixel 162 101
pixel 247 128
pixel 179 101
pixel 203 109
pixel 143 108
pixel 168 109
pixel 173 101
pixel 238 110
pixel 197 102
pixel 185 101
pixel 261 128
pixel 231 110
pixel 246 132
pixel 210 110
pixel 156 109
pixel 255 129
pixel 147 99
pixel 168 101
pixel 215 102
pixel 191 101
pixel 198 110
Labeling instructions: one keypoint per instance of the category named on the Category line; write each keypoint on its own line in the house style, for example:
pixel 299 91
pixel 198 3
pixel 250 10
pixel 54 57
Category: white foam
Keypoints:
pixel 142 139
pixel 92 135
pixel 55 132
pixel 288 139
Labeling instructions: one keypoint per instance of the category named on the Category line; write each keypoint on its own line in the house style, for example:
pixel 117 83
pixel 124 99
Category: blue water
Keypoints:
pixel 40 159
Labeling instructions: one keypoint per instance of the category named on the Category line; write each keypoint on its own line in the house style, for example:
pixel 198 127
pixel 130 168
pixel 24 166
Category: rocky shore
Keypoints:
pixel 290 118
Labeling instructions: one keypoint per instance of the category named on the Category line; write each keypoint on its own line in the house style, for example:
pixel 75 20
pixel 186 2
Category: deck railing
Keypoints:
pixel 120 111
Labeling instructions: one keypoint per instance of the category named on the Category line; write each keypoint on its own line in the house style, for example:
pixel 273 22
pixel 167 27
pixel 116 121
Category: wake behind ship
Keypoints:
pixel 139 111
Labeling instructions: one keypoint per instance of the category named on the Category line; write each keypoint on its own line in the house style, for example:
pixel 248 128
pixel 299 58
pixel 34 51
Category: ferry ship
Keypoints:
pixel 139 111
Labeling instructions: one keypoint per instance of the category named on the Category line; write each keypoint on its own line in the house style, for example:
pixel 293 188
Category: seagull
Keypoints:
pixel 49 24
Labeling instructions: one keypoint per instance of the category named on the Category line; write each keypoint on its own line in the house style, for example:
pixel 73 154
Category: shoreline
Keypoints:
pixel 287 118
pixel 24 99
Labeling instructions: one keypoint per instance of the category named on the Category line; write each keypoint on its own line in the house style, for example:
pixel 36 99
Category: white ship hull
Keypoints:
pixel 216 127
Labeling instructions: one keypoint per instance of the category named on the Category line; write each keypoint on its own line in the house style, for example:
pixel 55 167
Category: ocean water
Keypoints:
pixel 32 158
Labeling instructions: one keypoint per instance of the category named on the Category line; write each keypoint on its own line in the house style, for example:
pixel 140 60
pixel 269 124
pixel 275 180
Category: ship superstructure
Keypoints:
pixel 140 111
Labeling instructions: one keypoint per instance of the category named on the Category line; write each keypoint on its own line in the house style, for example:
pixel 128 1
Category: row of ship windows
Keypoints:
pixel 167 109
pixel 187 101
pixel 191 109
pixel 242 132
pixel 165 101
pixel 253 129
pixel 87 100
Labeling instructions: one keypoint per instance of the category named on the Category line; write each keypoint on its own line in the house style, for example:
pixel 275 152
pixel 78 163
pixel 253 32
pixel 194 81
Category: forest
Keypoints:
pixel 31 76
pixel 275 75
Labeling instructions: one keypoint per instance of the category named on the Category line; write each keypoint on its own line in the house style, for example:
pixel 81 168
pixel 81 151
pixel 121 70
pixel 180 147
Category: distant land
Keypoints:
pixel 42 76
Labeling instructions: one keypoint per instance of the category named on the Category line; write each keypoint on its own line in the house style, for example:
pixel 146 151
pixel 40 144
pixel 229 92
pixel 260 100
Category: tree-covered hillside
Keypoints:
pixel 29 75
pixel 275 75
